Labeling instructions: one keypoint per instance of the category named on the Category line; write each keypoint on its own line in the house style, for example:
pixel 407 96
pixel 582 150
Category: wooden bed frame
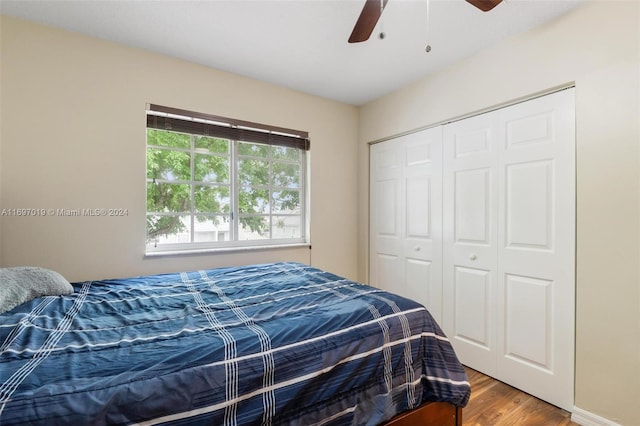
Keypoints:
pixel 429 414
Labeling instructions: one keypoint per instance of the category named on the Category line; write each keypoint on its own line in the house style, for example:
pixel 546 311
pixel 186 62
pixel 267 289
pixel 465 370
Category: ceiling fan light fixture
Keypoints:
pixel 372 11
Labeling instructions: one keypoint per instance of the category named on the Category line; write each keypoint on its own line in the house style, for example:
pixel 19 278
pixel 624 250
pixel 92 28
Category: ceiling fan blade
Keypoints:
pixel 367 20
pixel 485 5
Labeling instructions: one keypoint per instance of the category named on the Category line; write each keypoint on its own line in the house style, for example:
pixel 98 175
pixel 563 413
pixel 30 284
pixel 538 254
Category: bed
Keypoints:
pixel 280 343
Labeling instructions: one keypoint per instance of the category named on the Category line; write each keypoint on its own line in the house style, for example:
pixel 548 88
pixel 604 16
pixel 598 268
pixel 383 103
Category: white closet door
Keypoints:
pixel 385 262
pixel 509 244
pixel 422 172
pixel 406 217
pixel 536 289
pixel 470 265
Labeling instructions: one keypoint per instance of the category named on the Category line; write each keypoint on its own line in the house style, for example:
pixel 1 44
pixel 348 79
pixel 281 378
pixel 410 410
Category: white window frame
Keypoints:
pixel 234 185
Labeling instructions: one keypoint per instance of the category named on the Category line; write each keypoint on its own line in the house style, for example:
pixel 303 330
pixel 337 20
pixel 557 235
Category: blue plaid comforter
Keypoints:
pixel 281 344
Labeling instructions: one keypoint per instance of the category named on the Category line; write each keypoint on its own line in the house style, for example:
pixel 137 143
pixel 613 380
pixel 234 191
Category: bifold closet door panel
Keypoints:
pixel 422 183
pixel 536 285
pixel 470 268
pixel 385 257
pixel 509 244
pixel 406 217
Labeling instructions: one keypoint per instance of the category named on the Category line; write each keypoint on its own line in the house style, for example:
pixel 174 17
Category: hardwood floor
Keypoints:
pixel 495 403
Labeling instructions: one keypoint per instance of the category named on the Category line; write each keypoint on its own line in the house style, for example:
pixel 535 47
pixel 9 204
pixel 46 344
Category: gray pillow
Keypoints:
pixel 23 283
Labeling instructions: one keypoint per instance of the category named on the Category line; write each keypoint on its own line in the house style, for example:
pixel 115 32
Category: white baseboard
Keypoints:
pixel 585 418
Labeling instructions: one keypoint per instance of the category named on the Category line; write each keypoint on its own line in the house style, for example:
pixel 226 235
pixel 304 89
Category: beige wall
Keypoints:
pixel 73 137
pixel 598 47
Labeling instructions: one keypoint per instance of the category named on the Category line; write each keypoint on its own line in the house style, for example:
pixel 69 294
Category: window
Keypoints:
pixel 214 182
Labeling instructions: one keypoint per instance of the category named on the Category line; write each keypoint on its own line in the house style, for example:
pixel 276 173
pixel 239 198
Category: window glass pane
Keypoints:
pixel 253 172
pixel 211 229
pixel 253 228
pixel 212 199
pixel 168 197
pixel 253 149
pixel 286 201
pixel 168 229
pixel 286 227
pixel 286 175
pixel 215 145
pixel 196 183
pixel 253 200
pixel 211 168
pixel 168 165
pixel 285 153
pixel 170 139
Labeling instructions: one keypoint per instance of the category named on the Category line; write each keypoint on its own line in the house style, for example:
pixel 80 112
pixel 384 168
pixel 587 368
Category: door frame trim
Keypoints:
pixel 495 107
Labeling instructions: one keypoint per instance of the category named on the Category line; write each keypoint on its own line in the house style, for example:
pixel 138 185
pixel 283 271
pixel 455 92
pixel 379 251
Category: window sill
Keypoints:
pixel 223 250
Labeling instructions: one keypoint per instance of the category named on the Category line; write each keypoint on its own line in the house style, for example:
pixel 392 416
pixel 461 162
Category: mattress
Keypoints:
pixel 280 343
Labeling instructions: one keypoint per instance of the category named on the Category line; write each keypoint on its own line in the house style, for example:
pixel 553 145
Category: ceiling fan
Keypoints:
pixel 373 9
